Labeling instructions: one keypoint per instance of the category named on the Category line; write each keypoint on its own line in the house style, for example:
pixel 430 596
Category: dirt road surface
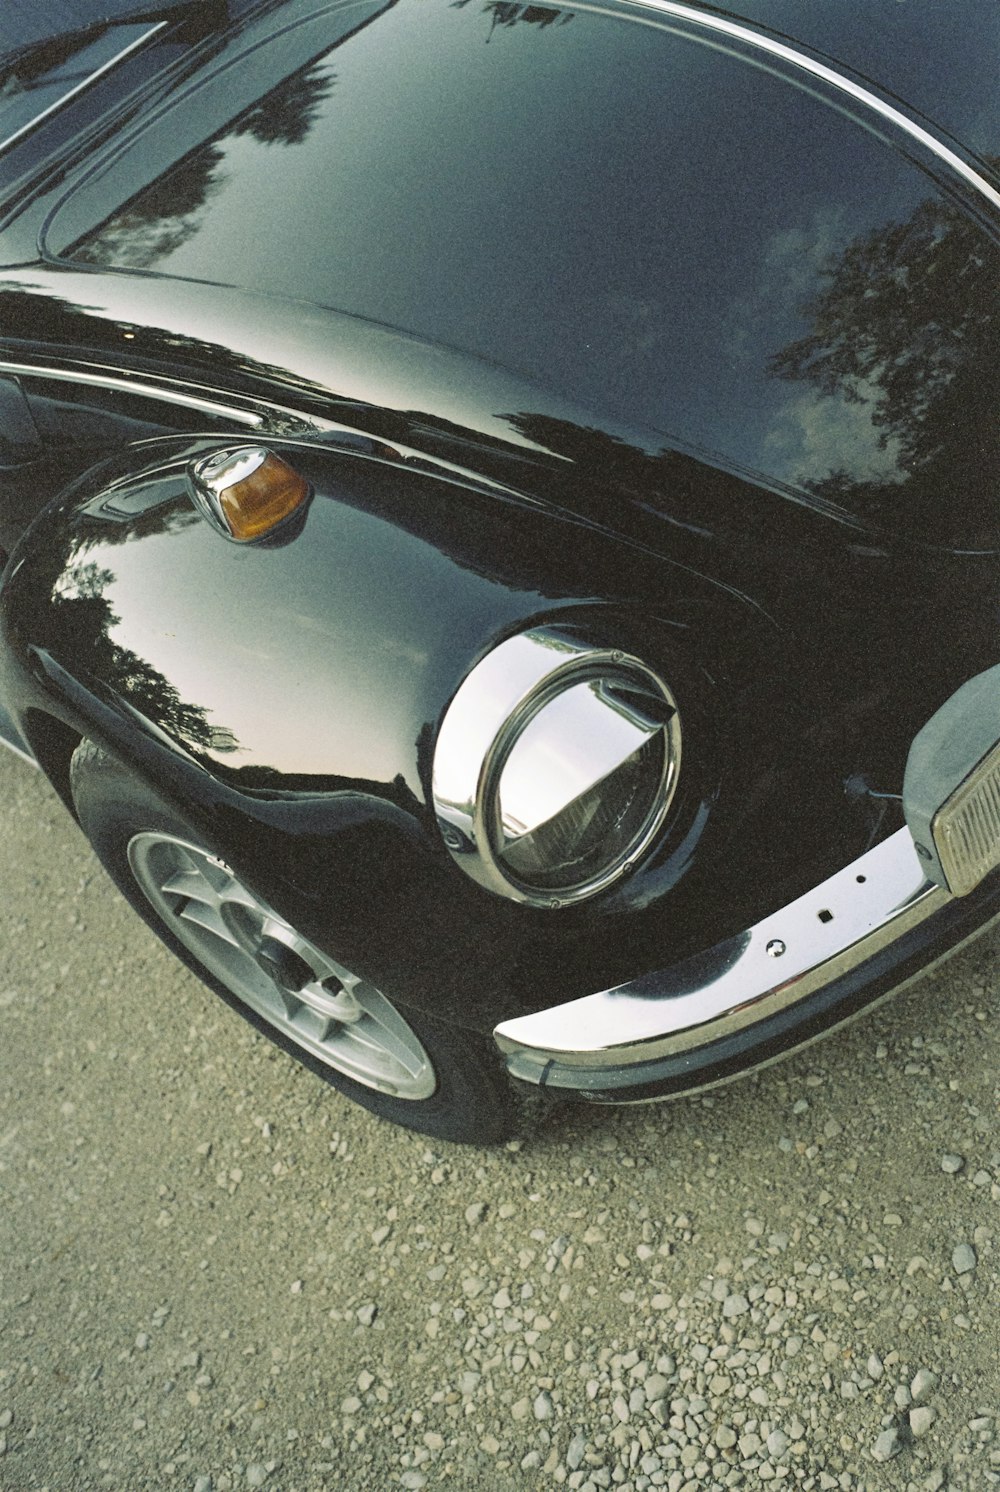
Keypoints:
pixel 215 1274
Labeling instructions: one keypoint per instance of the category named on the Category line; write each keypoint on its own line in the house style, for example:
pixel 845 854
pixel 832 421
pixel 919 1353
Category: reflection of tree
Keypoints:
pixel 160 219
pixel 286 115
pixel 36 315
pixel 77 620
pixel 505 13
pixel 906 322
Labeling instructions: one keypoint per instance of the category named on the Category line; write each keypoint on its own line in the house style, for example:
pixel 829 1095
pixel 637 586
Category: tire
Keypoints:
pixel 399 1063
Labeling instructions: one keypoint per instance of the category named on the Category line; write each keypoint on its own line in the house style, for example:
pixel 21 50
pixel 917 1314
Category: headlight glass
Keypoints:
pixel 555 768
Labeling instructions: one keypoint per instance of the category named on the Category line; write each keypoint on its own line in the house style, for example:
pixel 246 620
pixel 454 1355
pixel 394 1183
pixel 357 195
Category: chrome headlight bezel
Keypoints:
pixel 516 694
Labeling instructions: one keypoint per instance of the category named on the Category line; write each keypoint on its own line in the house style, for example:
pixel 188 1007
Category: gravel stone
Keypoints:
pixel 542 1407
pixel 777 1444
pixel 924 1383
pixel 952 1164
pixel 887 1445
pixel 921 1419
pixel 576 1450
pixel 964 1258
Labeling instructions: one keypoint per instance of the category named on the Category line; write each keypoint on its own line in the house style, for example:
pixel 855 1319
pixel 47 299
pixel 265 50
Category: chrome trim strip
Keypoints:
pixel 783 959
pixel 87 82
pixel 308 427
pixel 134 386
pixel 802 60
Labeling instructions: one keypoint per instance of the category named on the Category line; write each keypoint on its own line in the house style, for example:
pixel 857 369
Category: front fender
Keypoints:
pixel 285 696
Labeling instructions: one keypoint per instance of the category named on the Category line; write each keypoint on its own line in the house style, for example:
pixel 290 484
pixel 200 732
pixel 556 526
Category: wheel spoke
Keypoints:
pixel 289 1002
pixel 210 919
pixel 392 1037
pixel 325 1008
pixel 192 886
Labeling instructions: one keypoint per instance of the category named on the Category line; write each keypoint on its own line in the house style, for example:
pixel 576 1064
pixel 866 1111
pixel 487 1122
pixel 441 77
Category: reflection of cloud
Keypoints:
pixel 788 274
pixel 816 436
pixel 795 258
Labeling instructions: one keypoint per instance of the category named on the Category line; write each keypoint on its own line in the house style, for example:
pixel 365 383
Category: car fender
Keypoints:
pixel 285 696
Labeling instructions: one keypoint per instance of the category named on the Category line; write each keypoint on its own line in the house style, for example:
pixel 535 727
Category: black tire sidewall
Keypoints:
pixel 474 1101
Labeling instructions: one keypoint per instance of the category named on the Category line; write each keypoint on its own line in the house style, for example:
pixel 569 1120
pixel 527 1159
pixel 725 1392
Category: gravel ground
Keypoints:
pixel 217 1275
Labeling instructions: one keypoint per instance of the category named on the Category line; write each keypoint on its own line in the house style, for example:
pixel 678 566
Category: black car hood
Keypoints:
pixel 744 267
pixel 940 59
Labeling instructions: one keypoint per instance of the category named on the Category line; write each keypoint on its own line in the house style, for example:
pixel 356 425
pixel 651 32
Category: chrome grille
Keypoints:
pixel 967 829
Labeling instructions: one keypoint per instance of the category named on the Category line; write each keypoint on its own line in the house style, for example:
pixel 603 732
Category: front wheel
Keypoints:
pixel 401 1064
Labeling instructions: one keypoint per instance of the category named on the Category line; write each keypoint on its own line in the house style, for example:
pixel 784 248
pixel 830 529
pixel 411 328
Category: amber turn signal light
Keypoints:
pixel 248 492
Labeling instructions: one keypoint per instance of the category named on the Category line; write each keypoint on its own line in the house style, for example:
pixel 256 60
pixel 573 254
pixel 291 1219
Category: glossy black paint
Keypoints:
pixel 287 697
pixel 734 295
pixel 737 387
pixel 941 60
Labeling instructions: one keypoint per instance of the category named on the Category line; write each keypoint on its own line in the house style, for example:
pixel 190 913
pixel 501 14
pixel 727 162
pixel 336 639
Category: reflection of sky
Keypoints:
pixel 308 672
pixel 494 192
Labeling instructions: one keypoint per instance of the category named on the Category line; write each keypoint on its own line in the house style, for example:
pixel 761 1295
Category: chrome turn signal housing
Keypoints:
pixel 246 492
pixel 555 768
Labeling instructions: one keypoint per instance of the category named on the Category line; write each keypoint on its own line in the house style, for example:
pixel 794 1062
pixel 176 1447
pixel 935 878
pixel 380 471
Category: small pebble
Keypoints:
pixel 777 1444
pixel 576 1450
pixel 924 1382
pixel 542 1407
pixel 921 1419
pixel 964 1258
pixel 887 1445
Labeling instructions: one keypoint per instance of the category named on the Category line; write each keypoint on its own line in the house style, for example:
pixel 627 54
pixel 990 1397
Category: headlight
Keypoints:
pixel 555 767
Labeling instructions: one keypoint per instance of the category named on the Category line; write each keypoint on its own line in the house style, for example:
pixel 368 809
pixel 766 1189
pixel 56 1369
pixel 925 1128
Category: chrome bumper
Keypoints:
pixel 656 1028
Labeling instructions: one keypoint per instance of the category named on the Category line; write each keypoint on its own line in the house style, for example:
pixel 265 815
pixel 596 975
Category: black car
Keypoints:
pixel 500 518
